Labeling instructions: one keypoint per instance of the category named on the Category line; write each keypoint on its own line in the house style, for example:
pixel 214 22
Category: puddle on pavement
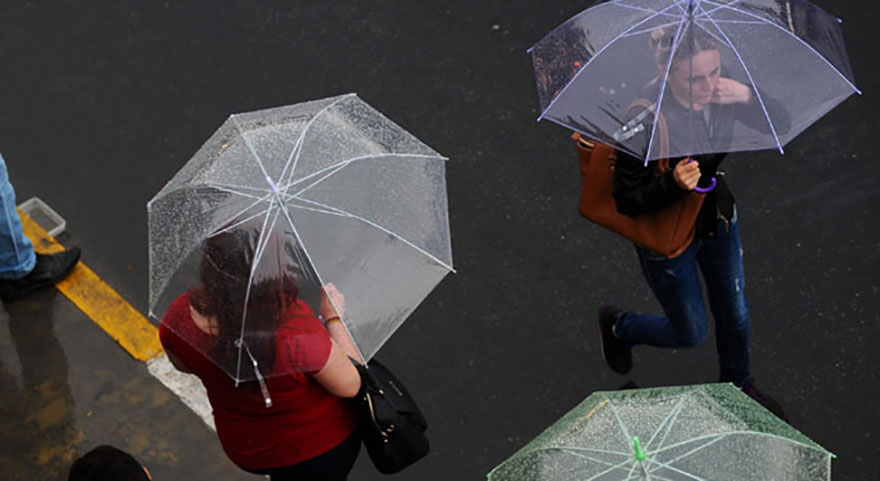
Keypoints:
pixel 37 419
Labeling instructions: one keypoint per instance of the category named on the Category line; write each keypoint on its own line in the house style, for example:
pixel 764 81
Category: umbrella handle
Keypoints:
pixel 703 190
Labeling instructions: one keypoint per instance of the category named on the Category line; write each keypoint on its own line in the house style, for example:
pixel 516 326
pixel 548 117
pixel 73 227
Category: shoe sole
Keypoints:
pixel 602 343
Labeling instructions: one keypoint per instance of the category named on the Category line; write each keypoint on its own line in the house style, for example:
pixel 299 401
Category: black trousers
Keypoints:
pixel 334 465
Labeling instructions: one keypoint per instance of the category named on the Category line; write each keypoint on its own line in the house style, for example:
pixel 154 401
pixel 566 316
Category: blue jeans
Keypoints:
pixel 676 284
pixel 16 251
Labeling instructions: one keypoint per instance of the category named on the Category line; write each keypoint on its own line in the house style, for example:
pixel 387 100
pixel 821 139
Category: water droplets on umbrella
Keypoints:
pixel 309 183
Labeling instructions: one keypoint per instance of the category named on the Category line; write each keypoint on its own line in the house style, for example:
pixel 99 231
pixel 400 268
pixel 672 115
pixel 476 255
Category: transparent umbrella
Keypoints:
pixel 728 75
pixel 327 191
pixel 691 433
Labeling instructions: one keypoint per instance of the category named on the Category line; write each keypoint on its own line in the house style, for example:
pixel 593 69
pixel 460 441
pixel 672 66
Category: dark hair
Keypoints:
pixel 106 463
pixel 225 274
pixel 693 41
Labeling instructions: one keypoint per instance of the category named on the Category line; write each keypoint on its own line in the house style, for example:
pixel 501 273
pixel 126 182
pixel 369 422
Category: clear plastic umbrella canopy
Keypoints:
pixel 727 75
pixel 279 203
pixel 691 433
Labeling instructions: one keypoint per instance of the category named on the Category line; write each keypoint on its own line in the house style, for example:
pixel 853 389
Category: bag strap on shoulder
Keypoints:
pixel 662 130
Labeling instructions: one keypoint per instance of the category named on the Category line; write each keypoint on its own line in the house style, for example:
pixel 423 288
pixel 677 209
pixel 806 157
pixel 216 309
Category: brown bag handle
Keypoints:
pixel 663 130
pixel 662 163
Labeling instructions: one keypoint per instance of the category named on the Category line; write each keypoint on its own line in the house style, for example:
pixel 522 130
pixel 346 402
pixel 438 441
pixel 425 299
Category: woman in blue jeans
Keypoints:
pixel 696 89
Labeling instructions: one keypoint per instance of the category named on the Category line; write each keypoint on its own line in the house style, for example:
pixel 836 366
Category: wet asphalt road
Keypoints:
pixel 102 102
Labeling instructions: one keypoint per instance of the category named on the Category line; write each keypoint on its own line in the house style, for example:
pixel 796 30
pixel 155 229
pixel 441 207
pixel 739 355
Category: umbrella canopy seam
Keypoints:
pixel 318 275
pixel 676 42
pixel 604 47
pixel 302 136
pixel 358 158
pixel 792 34
pixel 751 81
pixel 383 229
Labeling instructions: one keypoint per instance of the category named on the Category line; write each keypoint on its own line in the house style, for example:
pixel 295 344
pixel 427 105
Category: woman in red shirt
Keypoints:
pixel 297 423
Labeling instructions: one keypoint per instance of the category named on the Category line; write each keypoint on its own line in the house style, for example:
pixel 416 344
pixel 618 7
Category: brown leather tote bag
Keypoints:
pixel 668 231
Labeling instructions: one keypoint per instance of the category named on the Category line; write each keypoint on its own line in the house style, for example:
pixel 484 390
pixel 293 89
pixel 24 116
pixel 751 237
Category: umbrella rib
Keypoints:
pixel 247 296
pixel 628 438
pixel 213 185
pixel 699 448
pixel 639 32
pixel 659 103
pixel 262 249
pixel 673 415
pixel 706 13
pixel 306 129
pixel 746 22
pixel 699 438
pixel 669 427
pixel 612 468
pixel 284 210
pixel 231 187
pixel 692 476
pixel 584 456
pixel 232 226
pixel 708 32
pixel 165 284
pixel 236 186
pixel 361 157
pixel 579 448
pixel 792 34
pixel 296 147
pixel 603 4
pixel 251 147
pixel 232 191
pixel 642 9
pixel 747 433
pixel 339 166
pixel 320 211
pixel 658 477
pixel 752 81
pixel 263 199
pixel 632 470
pixel 605 47
pixel 322 179
pixel 616 146
pixel 377 226
pixel 679 3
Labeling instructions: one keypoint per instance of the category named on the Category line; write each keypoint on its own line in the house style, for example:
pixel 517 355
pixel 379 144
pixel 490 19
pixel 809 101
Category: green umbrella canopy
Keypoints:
pixel 692 433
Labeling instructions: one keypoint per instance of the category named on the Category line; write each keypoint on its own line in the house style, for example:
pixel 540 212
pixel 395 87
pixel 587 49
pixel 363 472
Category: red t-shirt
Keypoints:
pixel 304 421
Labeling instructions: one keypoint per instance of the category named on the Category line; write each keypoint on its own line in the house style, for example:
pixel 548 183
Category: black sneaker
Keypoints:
pixel 617 353
pixel 765 400
pixel 48 269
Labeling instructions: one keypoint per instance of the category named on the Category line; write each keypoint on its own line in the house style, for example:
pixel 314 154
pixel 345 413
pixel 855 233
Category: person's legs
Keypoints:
pixel 334 465
pixel 676 284
pixel 23 271
pixel 722 265
pixel 721 262
pixel 16 251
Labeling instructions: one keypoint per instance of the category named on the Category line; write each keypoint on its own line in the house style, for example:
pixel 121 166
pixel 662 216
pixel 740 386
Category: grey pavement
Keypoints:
pixel 103 101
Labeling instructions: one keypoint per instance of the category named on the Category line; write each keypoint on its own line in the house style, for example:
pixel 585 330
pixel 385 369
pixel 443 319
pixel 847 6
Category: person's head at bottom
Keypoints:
pixel 106 463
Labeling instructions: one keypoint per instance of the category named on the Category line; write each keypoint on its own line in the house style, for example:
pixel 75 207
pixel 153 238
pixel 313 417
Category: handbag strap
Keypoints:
pixel 662 130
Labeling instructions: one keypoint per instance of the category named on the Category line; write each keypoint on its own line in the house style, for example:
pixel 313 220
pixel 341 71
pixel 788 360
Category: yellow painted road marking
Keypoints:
pixel 99 301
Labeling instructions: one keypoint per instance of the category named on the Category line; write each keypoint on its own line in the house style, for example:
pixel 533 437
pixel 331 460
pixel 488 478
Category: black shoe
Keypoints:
pixel 617 353
pixel 765 400
pixel 48 269
pixel 629 385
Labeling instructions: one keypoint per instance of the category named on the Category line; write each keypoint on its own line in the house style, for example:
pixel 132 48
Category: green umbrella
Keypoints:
pixel 710 432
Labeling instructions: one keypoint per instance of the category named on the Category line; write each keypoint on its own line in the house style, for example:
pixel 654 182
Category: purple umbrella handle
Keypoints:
pixel 703 190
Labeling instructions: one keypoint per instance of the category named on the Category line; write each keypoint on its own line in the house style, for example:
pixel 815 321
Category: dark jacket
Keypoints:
pixel 637 190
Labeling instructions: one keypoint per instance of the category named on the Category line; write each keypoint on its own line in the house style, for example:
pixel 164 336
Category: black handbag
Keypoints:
pixel 392 426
